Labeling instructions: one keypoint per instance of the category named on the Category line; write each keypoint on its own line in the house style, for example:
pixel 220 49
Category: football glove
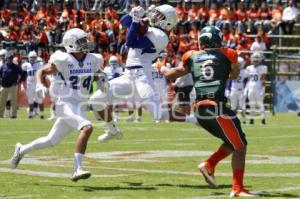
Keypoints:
pixel 137 14
pixel 102 82
pixel 40 90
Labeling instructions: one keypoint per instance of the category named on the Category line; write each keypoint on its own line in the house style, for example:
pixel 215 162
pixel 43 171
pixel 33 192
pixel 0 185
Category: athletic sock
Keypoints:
pixel 238 178
pixel 77 160
pixel 191 118
pixel 217 156
pixel 111 126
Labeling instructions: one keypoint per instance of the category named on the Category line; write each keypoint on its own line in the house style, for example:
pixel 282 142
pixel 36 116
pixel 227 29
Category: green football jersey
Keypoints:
pixel 210 70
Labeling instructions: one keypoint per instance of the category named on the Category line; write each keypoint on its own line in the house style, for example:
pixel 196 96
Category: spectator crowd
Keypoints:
pixel 38 25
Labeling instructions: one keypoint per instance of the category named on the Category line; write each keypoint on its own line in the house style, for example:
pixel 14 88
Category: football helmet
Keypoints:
pixel 211 37
pixel 164 17
pixel 32 57
pixel 241 62
pixel 76 40
pixel 113 61
pixel 2 54
pixel 256 57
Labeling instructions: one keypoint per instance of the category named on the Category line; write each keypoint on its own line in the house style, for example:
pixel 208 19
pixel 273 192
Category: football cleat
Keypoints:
pixel 242 193
pixel 15 160
pixel 208 176
pixel 107 135
pixel 139 119
pixel 130 119
pixel 79 174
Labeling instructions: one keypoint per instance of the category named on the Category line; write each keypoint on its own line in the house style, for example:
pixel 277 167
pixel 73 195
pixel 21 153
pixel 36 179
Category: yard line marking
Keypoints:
pixel 56 175
pixel 284 189
pixel 19 197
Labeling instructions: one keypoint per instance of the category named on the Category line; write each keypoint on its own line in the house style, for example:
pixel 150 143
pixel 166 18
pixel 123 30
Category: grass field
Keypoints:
pixel 152 161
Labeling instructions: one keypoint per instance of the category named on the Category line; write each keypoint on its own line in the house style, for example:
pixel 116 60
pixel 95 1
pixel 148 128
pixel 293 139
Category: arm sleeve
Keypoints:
pixel 134 40
pixel 230 54
pixel 126 20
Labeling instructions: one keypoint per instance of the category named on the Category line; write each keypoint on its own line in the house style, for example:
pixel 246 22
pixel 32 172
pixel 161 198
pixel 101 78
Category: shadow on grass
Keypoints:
pixel 278 195
pixel 179 185
pixel 103 188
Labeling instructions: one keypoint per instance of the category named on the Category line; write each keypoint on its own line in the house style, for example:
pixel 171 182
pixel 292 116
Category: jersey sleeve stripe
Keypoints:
pixel 230 54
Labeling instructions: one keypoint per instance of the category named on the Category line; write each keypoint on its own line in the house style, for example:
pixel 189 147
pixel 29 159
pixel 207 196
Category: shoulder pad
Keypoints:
pixel 58 57
pixel 158 38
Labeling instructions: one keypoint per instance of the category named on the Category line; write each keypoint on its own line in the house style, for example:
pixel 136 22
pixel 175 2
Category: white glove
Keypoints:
pixel 163 69
pixel 40 90
pixel 137 14
pixel 102 82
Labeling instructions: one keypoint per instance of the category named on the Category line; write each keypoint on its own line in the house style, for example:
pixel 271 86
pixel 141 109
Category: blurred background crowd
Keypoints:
pixel 39 25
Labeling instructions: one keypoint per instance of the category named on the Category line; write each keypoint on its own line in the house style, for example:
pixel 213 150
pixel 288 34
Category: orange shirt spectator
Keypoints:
pixel 203 14
pixel 6 13
pixel 241 12
pixel 26 35
pixel 252 13
pixel 180 11
pixel 214 12
pixel 11 35
pixel 264 12
pixel 277 12
pixel 30 20
pixel 193 12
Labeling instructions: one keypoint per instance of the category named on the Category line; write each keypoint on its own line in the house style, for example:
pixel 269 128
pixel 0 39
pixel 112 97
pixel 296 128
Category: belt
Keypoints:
pixel 206 102
pixel 133 67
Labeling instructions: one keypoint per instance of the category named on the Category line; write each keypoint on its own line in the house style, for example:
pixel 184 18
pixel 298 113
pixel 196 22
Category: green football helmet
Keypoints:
pixel 211 37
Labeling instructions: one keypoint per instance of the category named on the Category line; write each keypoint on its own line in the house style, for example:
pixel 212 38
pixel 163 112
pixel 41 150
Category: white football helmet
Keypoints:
pixel 241 62
pixel 164 16
pixel 2 54
pixel 113 61
pixel 76 40
pixel 32 57
pixel 256 57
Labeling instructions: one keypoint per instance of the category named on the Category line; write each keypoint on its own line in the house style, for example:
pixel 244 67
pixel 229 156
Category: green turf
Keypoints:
pixel 129 174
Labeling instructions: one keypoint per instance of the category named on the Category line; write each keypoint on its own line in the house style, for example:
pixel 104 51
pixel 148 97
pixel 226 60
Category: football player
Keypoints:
pixel 237 96
pixel 77 69
pixel 256 86
pixel 114 70
pixel 211 67
pixel 137 79
pixel 160 82
pixel 31 67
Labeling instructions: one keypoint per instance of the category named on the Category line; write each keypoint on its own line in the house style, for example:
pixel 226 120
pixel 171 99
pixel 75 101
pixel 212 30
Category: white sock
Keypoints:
pixel 77 160
pixel 191 118
pixel 111 126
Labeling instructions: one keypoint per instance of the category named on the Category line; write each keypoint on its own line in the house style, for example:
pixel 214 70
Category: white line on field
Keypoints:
pixel 54 174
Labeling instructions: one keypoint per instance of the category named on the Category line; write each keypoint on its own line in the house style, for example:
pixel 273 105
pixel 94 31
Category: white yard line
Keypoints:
pixel 54 174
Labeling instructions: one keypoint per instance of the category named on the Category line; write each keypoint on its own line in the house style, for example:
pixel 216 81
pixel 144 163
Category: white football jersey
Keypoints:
pixel 239 83
pixel 31 70
pixel 158 77
pixel 113 72
pixel 145 57
pixel 77 76
pixel 255 74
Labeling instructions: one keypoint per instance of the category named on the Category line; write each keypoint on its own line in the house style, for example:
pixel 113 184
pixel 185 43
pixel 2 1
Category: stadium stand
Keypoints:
pixel 40 25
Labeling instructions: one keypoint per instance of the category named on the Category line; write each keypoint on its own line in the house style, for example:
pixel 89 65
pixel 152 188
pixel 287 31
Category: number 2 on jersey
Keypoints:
pixel 85 82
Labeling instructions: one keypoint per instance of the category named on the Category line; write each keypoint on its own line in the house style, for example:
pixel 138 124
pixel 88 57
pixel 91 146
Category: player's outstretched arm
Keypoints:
pixel 173 73
pixel 47 69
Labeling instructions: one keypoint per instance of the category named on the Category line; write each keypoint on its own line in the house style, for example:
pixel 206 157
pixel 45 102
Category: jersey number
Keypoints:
pixel 86 83
pixel 254 78
pixel 207 70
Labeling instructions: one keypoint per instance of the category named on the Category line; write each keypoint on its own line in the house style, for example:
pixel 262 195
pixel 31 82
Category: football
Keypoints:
pixel 143 27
